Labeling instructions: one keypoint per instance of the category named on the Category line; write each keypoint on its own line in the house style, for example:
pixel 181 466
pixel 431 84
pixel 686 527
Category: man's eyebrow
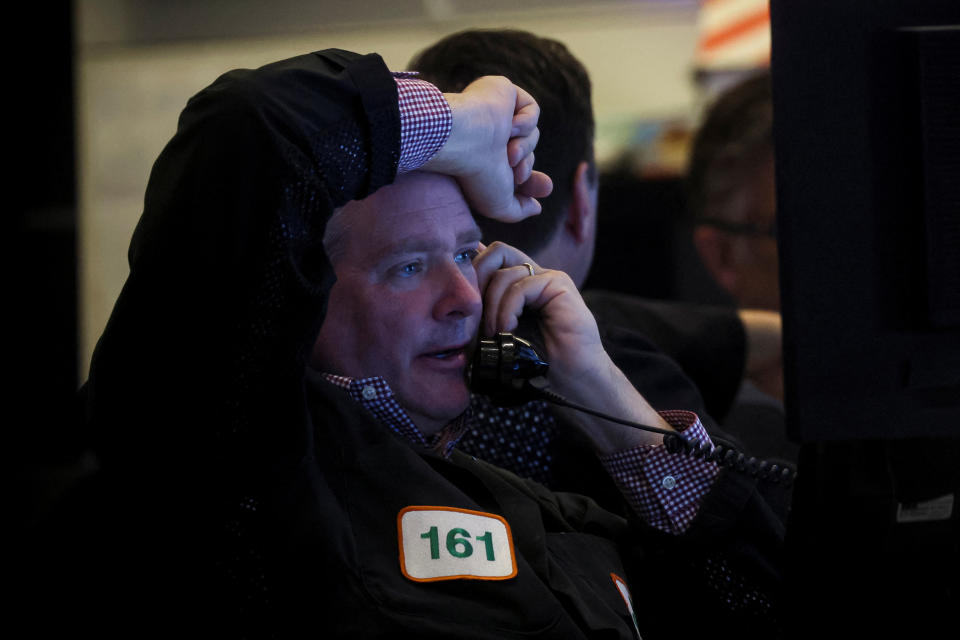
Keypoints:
pixel 417 243
pixel 472 235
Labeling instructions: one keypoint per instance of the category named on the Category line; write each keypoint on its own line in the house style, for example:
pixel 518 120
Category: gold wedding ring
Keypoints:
pixel 529 267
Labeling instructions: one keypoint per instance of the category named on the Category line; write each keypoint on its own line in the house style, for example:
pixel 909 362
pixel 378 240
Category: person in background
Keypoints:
pixel 732 199
pixel 732 194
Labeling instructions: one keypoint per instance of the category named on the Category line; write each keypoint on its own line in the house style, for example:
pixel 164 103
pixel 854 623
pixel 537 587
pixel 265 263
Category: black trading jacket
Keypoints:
pixel 237 498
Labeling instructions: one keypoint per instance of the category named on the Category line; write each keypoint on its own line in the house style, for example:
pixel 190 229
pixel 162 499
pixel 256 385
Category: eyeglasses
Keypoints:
pixel 742 228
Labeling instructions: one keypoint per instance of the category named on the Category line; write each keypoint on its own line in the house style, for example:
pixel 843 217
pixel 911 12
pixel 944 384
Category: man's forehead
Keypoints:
pixel 418 191
pixel 418 211
pixel 424 230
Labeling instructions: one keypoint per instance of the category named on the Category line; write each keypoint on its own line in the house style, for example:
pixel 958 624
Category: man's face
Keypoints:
pixel 406 303
pixel 744 262
pixel 755 203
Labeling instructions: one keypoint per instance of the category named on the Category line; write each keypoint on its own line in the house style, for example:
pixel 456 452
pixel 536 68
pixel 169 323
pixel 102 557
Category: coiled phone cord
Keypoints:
pixel 724 455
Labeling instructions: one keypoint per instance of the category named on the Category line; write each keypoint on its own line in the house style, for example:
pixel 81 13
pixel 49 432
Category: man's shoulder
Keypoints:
pixel 708 342
pixel 652 316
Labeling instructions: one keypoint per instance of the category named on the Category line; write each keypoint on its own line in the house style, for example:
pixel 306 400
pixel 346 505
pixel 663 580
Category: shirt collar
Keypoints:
pixel 375 395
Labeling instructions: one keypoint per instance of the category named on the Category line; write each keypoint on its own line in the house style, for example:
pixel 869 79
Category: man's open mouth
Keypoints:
pixel 446 353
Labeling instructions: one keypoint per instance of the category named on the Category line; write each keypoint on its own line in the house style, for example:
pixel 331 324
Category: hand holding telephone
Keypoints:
pixel 502 367
pixel 508 370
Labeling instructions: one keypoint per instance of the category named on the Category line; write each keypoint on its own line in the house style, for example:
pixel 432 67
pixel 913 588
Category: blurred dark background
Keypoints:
pixel 644 240
pixel 40 256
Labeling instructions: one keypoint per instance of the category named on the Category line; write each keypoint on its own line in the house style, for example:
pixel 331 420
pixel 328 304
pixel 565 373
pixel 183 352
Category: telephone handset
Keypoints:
pixel 502 367
pixel 508 370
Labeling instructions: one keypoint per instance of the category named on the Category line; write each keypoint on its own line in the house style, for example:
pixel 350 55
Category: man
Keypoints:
pixel 708 343
pixel 194 398
pixel 732 195
pixel 243 494
pixel 732 199
pixel 412 289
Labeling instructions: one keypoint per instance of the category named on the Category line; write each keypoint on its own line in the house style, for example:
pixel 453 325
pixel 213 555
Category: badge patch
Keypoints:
pixel 446 543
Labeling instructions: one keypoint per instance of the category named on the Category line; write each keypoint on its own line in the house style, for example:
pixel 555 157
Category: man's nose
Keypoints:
pixel 459 293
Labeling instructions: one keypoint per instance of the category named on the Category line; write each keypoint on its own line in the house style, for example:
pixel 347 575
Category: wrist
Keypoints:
pixel 604 388
pixel 425 122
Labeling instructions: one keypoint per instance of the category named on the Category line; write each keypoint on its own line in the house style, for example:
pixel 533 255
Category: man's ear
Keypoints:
pixel 716 252
pixel 581 217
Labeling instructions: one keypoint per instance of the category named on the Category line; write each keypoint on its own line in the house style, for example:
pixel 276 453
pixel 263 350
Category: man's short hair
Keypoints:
pixel 736 134
pixel 560 84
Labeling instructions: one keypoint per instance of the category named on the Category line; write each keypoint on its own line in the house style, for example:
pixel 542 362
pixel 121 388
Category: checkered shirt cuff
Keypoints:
pixel 425 121
pixel 665 489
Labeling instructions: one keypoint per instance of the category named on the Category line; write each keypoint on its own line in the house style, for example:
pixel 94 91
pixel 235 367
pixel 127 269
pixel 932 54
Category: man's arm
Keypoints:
pixel 727 560
pixel 481 136
pixel 665 489
pixel 490 149
pixel 580 368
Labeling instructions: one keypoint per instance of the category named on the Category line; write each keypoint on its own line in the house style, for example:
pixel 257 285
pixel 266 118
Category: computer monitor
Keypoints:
pixel 867 135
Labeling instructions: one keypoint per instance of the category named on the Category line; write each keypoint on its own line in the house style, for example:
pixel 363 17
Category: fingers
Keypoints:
pixel 513 208
pixel 523 202
pixel 523 170
pixel 529 187
pixel 519 147
pixel 528 207
pixel 507 285
pixel 539 185
pixel 510 292
pixel 499 256
pixel 526 112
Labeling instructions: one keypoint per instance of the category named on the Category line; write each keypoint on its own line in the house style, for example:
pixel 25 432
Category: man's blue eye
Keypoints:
pixel 466 256
pixel 410 269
